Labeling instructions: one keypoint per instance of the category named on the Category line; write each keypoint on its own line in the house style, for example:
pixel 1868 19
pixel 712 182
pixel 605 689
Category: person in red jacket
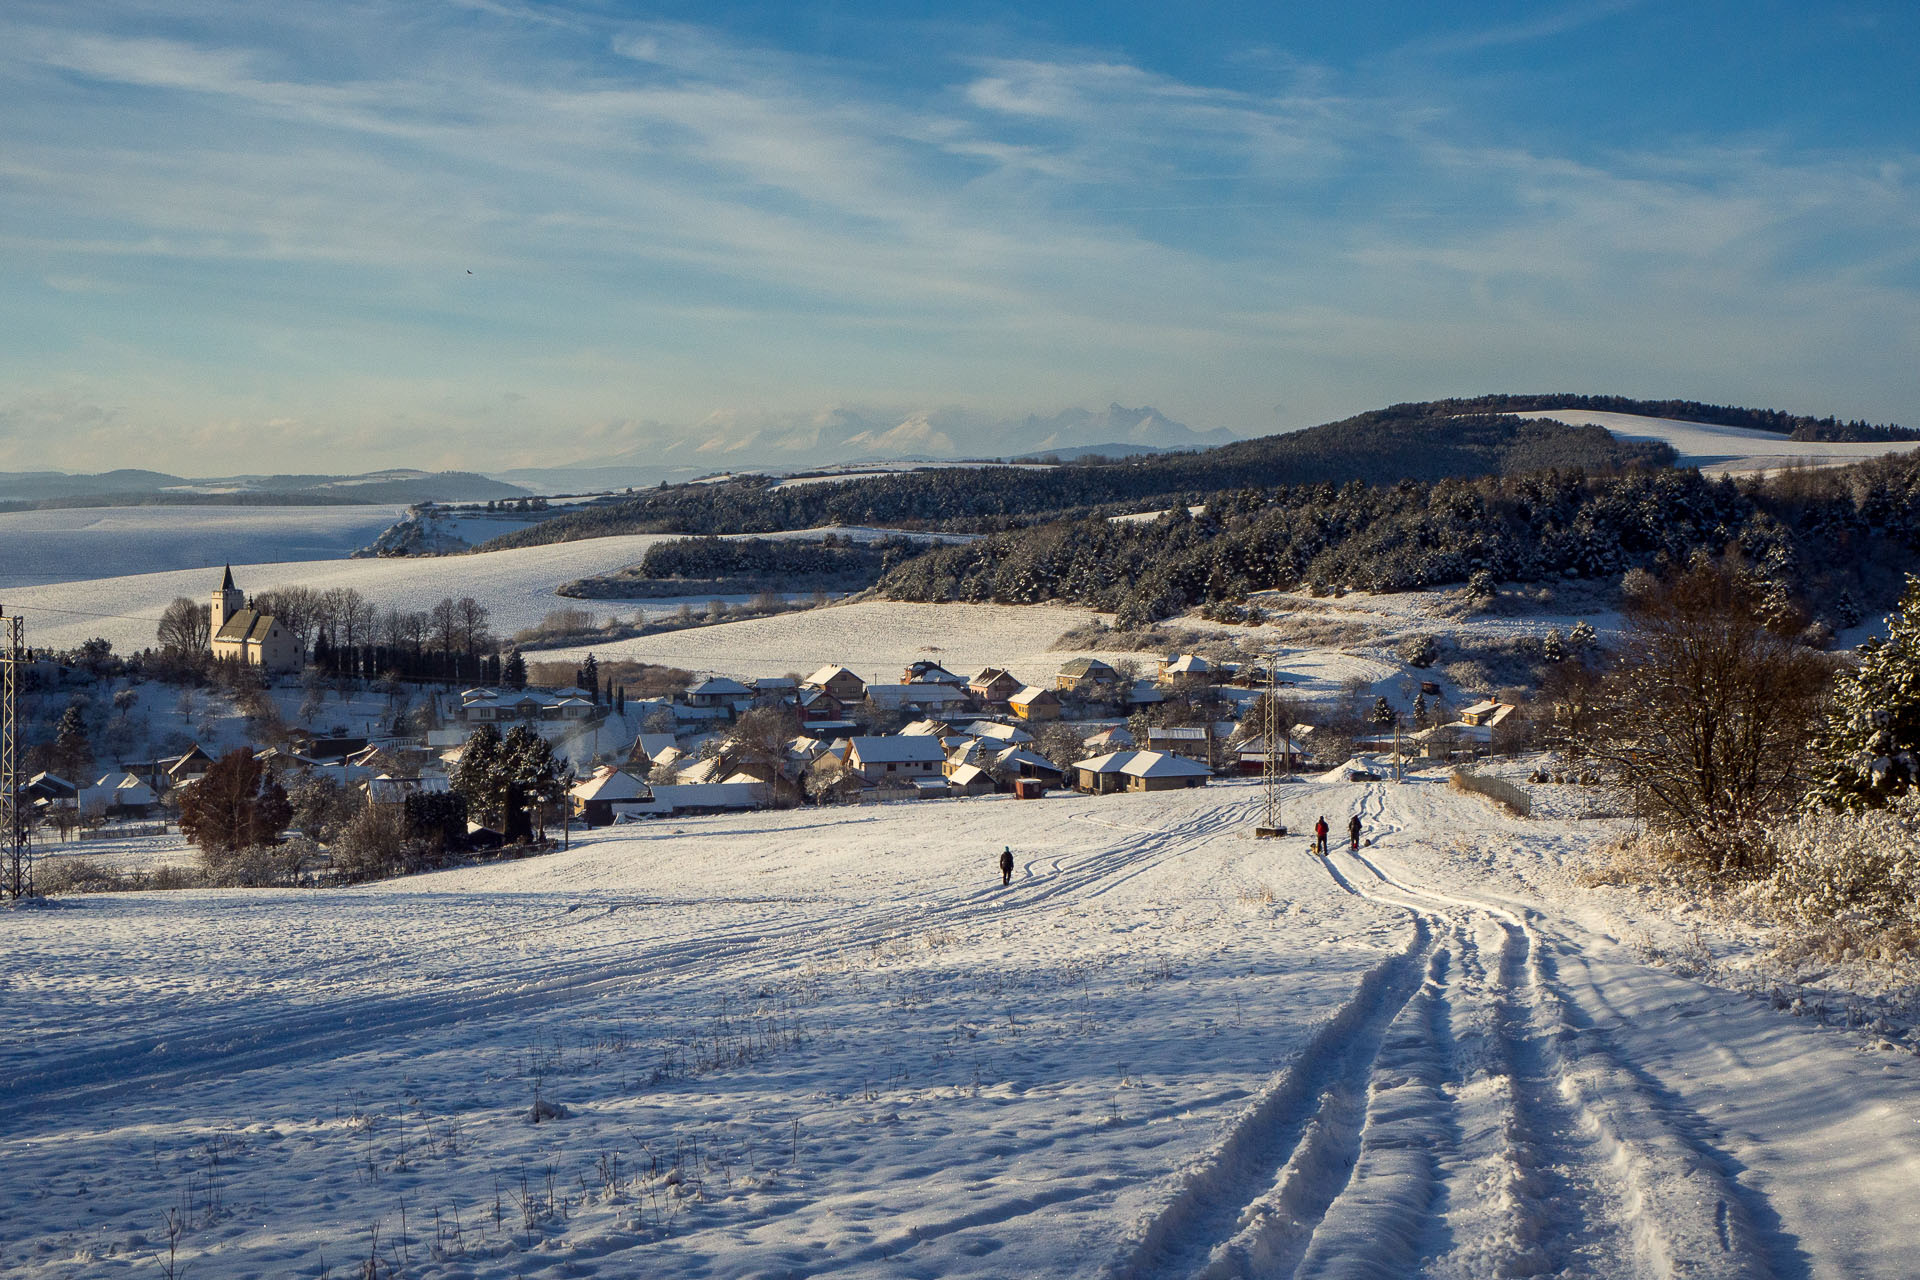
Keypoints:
pixel 1320 837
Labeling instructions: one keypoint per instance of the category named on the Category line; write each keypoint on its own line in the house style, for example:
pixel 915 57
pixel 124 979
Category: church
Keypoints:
pixel 242 633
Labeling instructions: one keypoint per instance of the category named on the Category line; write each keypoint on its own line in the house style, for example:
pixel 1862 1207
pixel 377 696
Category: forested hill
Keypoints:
pixel 1407 442
pixel 1823 539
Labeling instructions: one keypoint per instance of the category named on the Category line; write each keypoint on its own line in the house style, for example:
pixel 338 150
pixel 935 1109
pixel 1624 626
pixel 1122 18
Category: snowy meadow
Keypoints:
pixel 829 1042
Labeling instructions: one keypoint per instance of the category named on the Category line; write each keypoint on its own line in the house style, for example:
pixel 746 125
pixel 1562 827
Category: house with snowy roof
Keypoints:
pixel 1023 763
pixel 925 671
pixel 995 685
pixel 1193 741
pixel 1035 703
pixel 970 780
pixel 719 692
pixel 916 697
pixel 1138 771
pixel 118 795
pixel 597 799
pixel 846 687
pixel 1185 669
pixel 1088 677
pixel 900 756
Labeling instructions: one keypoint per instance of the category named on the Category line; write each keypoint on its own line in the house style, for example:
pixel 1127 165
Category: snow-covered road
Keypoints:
pixel 828 1042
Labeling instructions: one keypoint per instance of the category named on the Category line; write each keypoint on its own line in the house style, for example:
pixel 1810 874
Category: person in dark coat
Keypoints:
pixel 1353 831
pixel 1320 837
pixel 1006 866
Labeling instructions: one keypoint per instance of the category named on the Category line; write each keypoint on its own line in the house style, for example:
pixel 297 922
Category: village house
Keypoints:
pixel 994 685
pixel 190 765
pixel 1088 677
pixel 970 780
pixel 1022 763
pixel 597 799
pixel 875 759
pixel 240 633
pixel 1035 703
pixel 1138 771
pixel 532 706
pixel 719 693
pixel 1192 741
pixel 926 672
pixel 773 691
pixel 820 712
pixel 922 698
pixel 845 687
pixel 1472 734
pixel 1185 670
pixel 1006 735
pixel 118 795
pixel 1291 755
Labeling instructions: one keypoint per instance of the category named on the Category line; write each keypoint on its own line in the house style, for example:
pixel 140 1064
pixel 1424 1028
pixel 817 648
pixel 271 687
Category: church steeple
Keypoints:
pixel 227 601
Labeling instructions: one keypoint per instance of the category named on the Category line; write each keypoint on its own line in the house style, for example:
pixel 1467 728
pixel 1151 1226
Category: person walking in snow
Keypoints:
pixel 1006 866
pixel 1353 832
pixel 1320 837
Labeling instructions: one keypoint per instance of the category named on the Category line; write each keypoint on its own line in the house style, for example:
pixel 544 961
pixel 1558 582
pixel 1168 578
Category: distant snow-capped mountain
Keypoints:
pixel 735 441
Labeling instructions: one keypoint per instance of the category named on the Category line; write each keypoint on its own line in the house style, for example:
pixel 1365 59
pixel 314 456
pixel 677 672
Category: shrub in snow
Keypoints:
pixel 1869 746
pixel 1846 873
pixel 257 866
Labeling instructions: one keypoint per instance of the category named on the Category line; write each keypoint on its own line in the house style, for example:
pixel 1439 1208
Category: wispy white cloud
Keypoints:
pixel 660 218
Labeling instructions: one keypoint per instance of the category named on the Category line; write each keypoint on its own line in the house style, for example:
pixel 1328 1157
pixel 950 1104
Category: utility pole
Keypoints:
pixel 16 854
pixel 1272 761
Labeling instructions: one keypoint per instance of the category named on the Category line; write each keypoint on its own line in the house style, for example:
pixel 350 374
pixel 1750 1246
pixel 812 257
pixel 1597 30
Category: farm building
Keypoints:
pixel 1138 771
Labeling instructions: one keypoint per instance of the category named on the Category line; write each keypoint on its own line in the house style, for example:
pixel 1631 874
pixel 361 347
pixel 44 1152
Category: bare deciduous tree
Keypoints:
pixel 1705 716
pixel 185 626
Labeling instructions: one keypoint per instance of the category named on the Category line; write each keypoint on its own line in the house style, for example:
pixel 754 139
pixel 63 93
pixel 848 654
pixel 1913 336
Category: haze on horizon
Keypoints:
pixel 483 234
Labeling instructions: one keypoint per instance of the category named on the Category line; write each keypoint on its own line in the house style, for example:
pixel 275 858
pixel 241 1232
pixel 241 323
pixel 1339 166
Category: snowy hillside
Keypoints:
pixel 828 1042
pixel 106 542
pixel 1723 450
pixel 516 585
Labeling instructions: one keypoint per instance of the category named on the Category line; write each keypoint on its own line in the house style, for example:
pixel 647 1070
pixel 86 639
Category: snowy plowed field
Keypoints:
pixel 517 586
pixel 830 1043
pixel 104 542
pixel 1718 450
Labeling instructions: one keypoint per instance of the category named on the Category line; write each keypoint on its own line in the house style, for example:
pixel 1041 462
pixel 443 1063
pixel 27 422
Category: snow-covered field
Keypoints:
pixel 1720 450
pixel 828 1042
pixel 517 585
pixel 874 638
pixel 106 542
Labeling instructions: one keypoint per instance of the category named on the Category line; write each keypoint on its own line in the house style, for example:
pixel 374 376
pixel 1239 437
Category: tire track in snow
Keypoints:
pixel 1601 1171
pixel 1251 1205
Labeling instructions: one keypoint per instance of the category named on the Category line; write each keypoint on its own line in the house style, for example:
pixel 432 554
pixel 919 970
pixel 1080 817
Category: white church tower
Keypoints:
pixel 227 601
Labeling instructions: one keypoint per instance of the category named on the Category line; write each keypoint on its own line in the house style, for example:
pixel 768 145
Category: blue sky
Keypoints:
pixel 348 235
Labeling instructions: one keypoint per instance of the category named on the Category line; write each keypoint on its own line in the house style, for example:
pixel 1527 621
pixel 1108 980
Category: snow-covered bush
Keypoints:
pixel 257 867
pixel 1847 873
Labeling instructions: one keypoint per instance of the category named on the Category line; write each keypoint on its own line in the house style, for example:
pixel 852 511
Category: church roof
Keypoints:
pixel 247 624
pixel 226 584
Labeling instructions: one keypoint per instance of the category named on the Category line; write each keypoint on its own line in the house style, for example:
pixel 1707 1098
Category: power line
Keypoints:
pixel 83 613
